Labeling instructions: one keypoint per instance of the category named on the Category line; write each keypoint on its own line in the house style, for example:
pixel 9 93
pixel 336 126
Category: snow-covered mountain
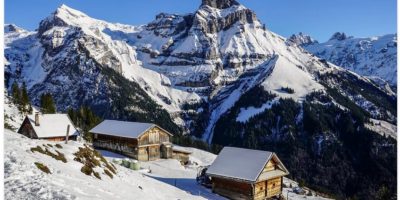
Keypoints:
pixel 212 55
pixel 301 39
pixel 374 57
pixel 217 74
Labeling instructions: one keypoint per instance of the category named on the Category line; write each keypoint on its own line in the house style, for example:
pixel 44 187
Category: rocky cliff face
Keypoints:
pixel 301 39
pixel 220 4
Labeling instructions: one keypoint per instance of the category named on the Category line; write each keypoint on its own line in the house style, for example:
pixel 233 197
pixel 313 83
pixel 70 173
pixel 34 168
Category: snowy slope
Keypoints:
pixel 24 181
pixel 12 115
pixel 184 177
pixel 382 127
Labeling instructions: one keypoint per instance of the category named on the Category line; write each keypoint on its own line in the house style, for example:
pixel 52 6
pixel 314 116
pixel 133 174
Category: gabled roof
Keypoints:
pixel 123 128
pixel 244 164
pixel 52 125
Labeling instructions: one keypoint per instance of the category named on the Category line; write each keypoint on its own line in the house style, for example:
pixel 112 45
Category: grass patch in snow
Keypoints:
pixel 59 146
pixel 42 167
pixel 111 167
pixel 59 156
pixel 108 173
pixel 37 149
pixel 87 156
pixel 97 175
pixel 87 169
pixel 9 126
pixel 90 159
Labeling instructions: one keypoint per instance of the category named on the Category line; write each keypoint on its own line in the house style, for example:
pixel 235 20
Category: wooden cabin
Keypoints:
pixel 52 127
pixel 247 174
pixel 141 141
pixel 181 154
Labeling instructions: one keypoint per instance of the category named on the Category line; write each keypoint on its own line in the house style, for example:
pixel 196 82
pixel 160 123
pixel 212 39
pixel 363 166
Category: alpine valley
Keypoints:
pixel 220 76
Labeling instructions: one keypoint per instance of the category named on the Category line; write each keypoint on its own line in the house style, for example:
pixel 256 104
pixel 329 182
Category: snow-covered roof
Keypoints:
pixel 243 164
pixel 122 128
pixel 52 125
pixel 180 149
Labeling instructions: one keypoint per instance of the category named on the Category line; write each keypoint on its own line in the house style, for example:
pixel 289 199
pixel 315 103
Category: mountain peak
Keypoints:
pixel 220 4
pixel 8 28
pixel 339 36
pixel 65 11
pixel 64 16
pixel 301 39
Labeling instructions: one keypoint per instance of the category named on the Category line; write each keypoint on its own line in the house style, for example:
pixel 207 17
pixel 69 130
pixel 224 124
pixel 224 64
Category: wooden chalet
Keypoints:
pixel 247 174
pixel 141 141
pixel 181 154
pixel 52 127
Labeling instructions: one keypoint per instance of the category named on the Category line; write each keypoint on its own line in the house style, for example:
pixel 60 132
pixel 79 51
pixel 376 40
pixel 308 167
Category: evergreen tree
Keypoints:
pixel 47 104
pixel 25 102
pixel 15 92
pixel 85 119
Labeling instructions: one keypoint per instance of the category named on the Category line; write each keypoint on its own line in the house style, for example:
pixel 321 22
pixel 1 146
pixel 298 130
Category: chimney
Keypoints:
pixel 37 119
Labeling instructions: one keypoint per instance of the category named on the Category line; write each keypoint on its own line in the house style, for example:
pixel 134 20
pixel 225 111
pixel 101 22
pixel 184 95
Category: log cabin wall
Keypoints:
pixel 60 139
pixel 232 189
pixel 166 151
pixel 154 136
pixel 149 153
pixel 260 190
pixel 274 187
pixel 125 146
pixel 145 148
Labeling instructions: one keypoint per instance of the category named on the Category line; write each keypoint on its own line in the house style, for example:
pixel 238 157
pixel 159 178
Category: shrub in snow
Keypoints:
pixel 43 167
pixel 59 146
pixel 49 145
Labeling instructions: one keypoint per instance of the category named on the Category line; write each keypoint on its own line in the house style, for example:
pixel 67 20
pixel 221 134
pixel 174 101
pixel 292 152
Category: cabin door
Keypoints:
pixel 147 157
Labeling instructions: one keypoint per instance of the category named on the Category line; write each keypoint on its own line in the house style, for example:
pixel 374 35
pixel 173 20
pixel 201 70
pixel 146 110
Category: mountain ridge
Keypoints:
pixel 374 57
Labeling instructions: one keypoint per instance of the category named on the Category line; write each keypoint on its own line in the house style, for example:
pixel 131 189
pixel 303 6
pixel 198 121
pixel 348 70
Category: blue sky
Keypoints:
pixel 318 18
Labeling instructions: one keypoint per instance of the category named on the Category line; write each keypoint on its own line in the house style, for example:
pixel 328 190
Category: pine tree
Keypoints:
pixel 85 119
pixel 15 92
pixel 47 104
pixel 25 102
